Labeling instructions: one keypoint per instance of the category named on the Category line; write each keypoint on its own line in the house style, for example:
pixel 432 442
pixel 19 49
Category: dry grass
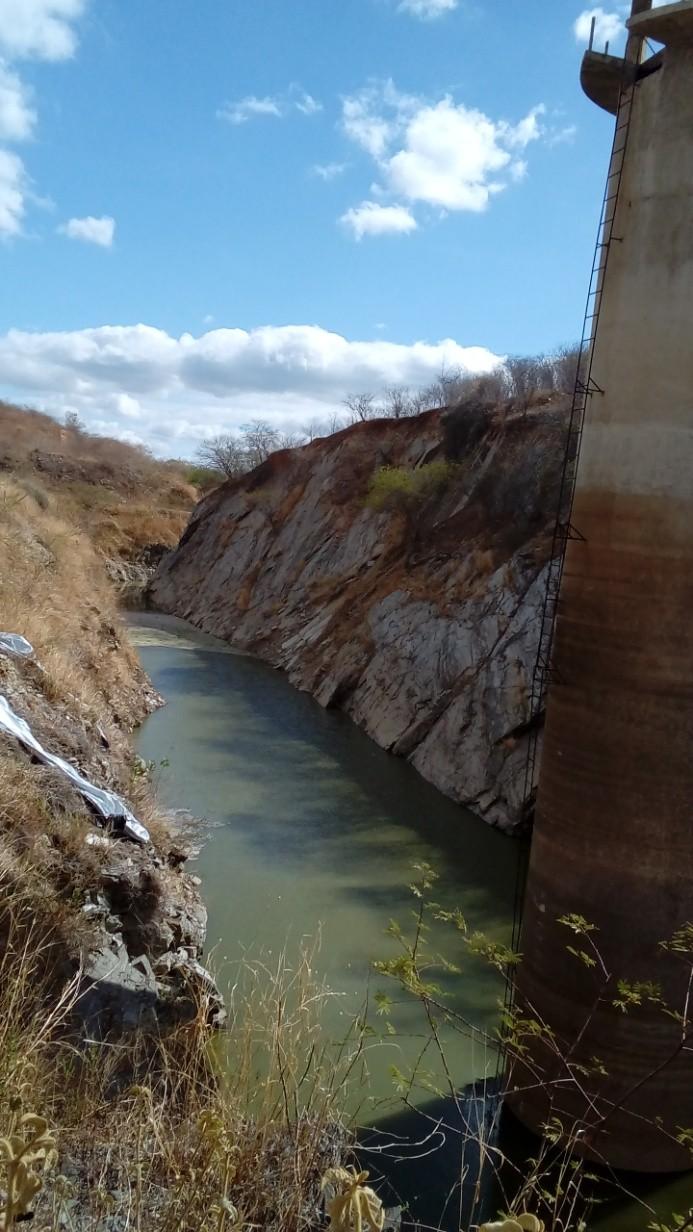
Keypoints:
pixel 118 493
pixel 25 433
pixel 54 591
pixel 165 1133
pixel 180 1148
pixel 152 1132
pixel 161 1132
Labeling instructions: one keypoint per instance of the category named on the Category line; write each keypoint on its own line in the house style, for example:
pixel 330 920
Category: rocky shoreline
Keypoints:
pixel 142 922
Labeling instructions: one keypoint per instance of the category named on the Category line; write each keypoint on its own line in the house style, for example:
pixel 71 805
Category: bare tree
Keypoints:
pixel 224 453
pixel 360 407
pixel 398 402
pixel 73 422
pixel 314 428
pixel 491 386
pixel 523 373
pixel 567 361
pixel 448 389
pixel 335 423
pixel 260 440
pixel 290 440
pixel 418 402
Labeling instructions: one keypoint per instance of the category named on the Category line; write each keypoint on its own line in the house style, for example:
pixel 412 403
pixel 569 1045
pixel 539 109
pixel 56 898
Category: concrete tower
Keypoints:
pixel 613 836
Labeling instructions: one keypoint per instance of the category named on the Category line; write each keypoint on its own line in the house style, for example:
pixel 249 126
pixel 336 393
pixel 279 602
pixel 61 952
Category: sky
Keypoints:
pixel 219 210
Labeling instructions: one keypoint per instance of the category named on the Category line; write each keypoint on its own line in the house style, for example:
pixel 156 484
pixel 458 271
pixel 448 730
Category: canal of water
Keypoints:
pixel 310 831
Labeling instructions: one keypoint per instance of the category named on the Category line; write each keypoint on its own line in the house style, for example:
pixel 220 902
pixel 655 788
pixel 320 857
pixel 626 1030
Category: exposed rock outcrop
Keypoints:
pixel 132 576
pixel 141 966
pixel 419 620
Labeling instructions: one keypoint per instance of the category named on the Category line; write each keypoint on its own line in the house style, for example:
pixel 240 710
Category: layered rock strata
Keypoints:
pixel 420 618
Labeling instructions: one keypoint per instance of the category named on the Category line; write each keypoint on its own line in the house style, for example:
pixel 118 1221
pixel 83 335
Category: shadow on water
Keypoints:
pixel 428 1159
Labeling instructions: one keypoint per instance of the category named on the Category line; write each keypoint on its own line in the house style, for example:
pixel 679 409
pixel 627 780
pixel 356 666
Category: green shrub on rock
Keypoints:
pixel 398 487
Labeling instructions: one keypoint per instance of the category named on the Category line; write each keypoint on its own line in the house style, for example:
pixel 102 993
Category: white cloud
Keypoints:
pixel 171 392
pixel 17 116
pixel 442 154
pixel 39 29
pixel 517 136
pixel 29 29
pixel 328 171
pixel 277 105
pixel 456 157
pixel 561 136
pixel 306 104
pixel 373 117
pixel 240 112
pixel 609 26
pixel 91 230
pixel 370 218
pixel 124 405
pixel 12 193
pixel 427 9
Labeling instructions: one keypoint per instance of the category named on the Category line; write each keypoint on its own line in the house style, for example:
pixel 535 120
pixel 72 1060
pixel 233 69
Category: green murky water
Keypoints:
pixel 311 830
pixel 316 831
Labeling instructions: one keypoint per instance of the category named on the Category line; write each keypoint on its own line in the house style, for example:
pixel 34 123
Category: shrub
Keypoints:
pixel 204 477
pixel 397 487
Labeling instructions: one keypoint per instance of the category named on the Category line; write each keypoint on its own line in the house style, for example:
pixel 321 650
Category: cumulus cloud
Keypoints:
pixel 371 218
pixel 39 29
pixel 609 26
pixel 456 157
pixel 441 154
pixel 277 106
pixel 373 117
pixel 17 116
pixel 427 10
pixel 171 392
pixel 90 230
pixel 29 29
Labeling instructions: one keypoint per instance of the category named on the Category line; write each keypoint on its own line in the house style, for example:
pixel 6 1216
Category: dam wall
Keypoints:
pixel 613 836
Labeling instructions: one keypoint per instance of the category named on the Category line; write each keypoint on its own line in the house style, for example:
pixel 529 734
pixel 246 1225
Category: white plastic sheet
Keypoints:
pixel 15 644
pixel 107 803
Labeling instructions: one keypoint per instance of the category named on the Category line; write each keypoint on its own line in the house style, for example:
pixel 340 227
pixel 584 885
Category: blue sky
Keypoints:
pixel 217 209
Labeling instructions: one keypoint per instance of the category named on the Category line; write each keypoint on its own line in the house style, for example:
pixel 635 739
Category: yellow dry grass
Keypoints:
pixel 148 1132
pixel 53 590
pixel 118 493
pixel 151 1132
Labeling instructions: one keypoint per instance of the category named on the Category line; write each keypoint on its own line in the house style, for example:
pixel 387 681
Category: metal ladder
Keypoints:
pixel 585 388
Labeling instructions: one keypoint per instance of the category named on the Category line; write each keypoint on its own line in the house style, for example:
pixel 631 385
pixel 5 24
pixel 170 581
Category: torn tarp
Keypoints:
pixel 107 803
pixel 15 644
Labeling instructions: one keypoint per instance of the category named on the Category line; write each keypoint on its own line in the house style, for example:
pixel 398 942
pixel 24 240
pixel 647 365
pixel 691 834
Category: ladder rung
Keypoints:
pixel 564 529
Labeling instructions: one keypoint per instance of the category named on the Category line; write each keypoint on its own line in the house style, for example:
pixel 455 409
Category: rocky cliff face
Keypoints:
pixel 419 619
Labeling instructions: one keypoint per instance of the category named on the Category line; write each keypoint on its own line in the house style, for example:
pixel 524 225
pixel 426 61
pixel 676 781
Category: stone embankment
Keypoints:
pixel 420 618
